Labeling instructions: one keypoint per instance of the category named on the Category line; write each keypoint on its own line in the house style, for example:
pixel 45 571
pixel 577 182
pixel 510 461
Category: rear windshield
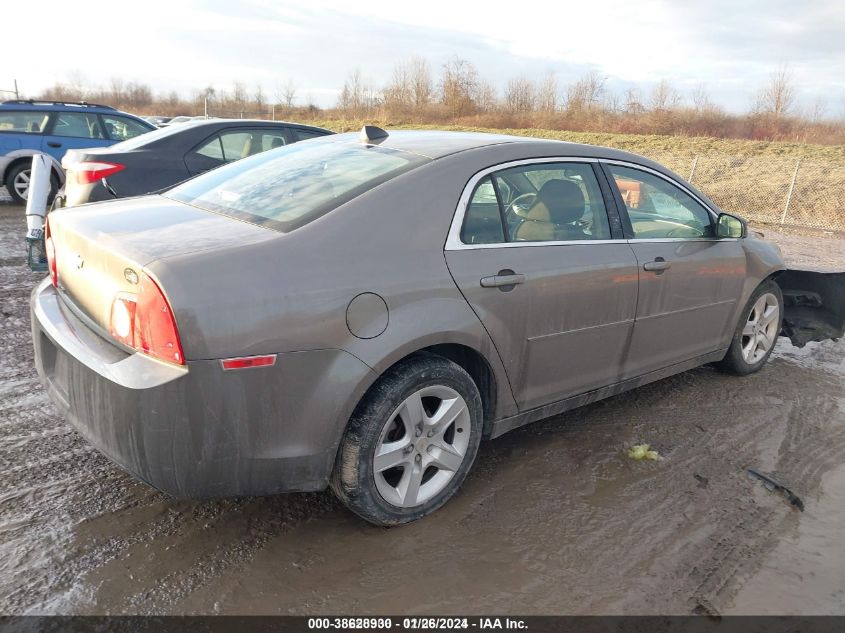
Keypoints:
pixel 153 135
pixel 288 187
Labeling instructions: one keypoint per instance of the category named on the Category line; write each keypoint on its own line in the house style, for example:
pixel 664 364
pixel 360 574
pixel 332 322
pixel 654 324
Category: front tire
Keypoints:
pixel 757 332
pixel 410 443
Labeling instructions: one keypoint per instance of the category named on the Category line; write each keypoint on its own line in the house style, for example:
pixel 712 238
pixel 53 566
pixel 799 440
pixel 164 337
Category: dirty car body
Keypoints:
pixel 285 317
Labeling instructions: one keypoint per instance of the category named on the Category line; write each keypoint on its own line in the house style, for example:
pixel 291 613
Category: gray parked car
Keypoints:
pixel 164 157
pixel 361 312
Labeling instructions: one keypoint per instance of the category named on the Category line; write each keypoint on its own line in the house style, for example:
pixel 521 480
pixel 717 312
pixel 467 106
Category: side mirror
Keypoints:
pixel 728 225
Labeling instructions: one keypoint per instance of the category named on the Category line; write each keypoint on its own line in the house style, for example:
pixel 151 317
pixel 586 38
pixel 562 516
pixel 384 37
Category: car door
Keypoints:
pixel 73 130
pixel 690 281
pixel 532 251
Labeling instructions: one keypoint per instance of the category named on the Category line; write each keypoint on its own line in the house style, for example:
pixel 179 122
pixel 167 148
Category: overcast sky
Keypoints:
pixel 731 46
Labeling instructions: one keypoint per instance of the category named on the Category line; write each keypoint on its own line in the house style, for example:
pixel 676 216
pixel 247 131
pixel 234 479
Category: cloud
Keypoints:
pixel 729 46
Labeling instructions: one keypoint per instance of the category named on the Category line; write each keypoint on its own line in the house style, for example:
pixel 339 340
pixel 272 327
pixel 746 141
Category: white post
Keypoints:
pixel 36 197
pixel 692 171
pixel 789 193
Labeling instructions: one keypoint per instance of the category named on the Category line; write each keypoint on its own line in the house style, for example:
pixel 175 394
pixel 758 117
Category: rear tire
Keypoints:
pixel 410 443
pixel 17 183
pixel 757 331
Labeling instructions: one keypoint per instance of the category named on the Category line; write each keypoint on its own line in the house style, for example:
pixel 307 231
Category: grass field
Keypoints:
pixel 762 181
pixel 640 143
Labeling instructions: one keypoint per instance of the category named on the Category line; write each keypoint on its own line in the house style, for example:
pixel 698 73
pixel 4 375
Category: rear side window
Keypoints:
pixel 273 140
pixel 288 188
pixel 483 219
pixel 235 145
pixel 23 122
pixel 78 124
pixel 304 135
pixel 121 128
pixel 544 202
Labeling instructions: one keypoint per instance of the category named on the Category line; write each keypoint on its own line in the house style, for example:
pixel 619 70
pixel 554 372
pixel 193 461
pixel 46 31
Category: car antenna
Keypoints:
pixel 373 135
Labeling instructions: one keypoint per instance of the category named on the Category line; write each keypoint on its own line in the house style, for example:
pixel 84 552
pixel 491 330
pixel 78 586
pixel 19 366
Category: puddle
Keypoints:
pixel 805 573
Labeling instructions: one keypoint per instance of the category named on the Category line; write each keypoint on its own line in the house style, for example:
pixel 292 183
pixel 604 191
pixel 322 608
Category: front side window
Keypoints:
pixel 657 208
pixel 295 184
pixel 121 128
pixel 24 122
pixel 544 202
pixel 78 124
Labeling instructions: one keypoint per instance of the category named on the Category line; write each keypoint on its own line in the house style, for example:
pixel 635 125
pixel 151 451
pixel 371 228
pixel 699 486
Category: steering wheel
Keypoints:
pixel 523 201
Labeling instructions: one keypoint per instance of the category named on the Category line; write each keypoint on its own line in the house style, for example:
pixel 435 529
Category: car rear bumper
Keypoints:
pixel 197 431
pixel 76 193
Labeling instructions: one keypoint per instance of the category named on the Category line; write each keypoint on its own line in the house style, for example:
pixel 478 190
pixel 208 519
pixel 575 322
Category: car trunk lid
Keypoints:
pixel 101 249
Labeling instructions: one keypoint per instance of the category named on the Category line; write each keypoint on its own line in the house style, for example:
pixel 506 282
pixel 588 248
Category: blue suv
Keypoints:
pixel 52 128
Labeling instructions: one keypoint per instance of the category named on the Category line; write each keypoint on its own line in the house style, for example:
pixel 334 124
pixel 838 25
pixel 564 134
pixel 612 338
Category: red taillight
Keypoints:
pixel 88 172
pixel 145 322
pixel 249 361
pixel 50 250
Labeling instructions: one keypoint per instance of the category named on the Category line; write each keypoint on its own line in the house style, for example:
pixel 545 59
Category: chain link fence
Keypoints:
pixel 768 190
pixel 765 190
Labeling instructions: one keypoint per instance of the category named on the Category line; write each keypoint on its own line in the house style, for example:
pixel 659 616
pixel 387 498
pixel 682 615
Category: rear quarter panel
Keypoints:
pixel 292 293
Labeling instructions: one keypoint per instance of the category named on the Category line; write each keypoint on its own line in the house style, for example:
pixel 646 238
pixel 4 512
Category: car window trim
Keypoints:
pixel 629 229
pixel 453 238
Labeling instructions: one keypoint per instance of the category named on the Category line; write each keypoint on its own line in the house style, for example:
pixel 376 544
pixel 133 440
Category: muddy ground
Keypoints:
pixel 553 519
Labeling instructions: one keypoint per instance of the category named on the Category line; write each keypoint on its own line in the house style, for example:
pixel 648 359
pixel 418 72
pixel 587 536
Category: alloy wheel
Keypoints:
pixel 760 331
pixel 422 445
pixel 21 184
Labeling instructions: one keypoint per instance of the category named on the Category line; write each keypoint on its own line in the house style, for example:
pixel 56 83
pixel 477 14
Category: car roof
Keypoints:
pixel 57 106
pixel 439 143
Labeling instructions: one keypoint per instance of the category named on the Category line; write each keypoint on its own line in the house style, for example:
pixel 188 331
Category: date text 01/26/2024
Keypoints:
pixel 430 623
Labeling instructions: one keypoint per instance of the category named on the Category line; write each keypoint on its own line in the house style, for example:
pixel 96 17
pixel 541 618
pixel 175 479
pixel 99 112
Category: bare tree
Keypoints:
pixel 458 87
pixel 633 102
pixel 422 86
pixel 138 95
pixel 777 99
pixel 485 96
pixel 701 99
pixel 586 93
pixel 259 97
pixel 117 89
pixel 664 97
pixel 286 94
pixel 546 94
pixel 817 111
pixel 357 97
pixel 520 95
pixel 399 92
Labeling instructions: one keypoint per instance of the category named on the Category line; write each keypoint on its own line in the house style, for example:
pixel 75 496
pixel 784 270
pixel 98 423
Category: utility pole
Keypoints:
pixel 14 92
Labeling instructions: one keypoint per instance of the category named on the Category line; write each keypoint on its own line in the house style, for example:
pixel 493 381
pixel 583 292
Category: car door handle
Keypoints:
pixel 500 280
pixel 54 144
pixel 658 265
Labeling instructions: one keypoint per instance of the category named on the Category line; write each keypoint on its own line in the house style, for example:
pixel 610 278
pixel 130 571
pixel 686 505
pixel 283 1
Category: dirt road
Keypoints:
pixel 554 518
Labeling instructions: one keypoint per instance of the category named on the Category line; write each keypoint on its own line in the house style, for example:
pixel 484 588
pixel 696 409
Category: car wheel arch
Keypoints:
pixel 27 159
pixel 497 401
